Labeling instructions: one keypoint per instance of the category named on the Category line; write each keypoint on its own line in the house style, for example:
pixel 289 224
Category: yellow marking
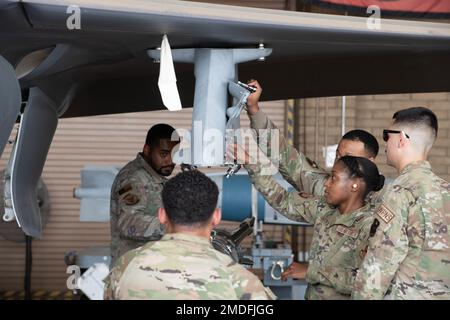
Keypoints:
pixel 39 293
pixel 9 293
pixel 54 293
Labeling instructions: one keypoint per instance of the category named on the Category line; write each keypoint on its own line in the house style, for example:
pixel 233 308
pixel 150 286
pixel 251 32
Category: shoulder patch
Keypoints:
pixel 130 199
pixel 385 214
pixel 347 231
pixel 125 188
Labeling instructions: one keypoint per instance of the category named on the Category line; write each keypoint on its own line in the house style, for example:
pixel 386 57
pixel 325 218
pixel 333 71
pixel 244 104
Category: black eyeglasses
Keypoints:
pixel 386 134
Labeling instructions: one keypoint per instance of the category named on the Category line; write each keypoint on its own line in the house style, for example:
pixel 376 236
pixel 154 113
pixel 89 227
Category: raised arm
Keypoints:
pixel 290 204
pixel 302 173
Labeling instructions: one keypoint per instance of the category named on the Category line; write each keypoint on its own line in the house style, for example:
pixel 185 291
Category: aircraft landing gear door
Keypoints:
pixel 36 132
pixel 10 101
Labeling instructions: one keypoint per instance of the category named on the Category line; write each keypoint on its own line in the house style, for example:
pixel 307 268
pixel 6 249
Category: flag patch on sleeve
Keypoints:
pixel 385 214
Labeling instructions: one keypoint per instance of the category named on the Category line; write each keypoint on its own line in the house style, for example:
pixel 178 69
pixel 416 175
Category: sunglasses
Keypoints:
pixel 386 134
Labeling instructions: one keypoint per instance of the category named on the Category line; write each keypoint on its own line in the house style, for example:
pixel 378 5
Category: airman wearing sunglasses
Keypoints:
pixel 409 255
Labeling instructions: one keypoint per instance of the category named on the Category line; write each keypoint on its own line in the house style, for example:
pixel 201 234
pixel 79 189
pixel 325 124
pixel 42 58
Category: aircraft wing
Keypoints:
pixel 313 55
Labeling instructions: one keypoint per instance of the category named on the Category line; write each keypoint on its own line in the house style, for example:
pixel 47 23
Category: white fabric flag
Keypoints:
pixel 167 81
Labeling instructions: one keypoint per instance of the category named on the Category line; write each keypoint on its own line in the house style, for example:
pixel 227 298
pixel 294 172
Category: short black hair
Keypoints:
pixel 417 116
pixel 360 167
pixel 157 132
pixel 190 198
pixel 369 141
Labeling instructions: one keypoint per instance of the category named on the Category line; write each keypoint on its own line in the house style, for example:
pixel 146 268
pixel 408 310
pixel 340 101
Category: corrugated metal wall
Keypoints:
pixel 111 139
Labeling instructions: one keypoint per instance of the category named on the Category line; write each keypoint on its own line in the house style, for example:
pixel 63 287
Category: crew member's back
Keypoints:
pixel 184 267
pixel 184 264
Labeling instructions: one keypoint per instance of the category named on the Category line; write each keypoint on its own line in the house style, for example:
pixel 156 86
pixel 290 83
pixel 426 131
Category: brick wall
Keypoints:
pixel 320 124
pixel 375 112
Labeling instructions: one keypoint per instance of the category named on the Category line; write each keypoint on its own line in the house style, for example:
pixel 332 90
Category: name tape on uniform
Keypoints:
pixel 347 231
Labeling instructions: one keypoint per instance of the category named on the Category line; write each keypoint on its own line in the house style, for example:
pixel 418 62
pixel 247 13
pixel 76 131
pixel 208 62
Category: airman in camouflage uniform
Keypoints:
pixel 339 240
pixel 136 193
pixel 184 264
pixel 182 267
pixel 409 255
pixel 135 200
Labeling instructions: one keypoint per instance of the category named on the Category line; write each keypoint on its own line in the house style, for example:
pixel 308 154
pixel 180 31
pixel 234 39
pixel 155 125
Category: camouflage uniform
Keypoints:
pixel 181 266
pixel 409 255
pixel 339 240
pixel 302 173
pixel 135 200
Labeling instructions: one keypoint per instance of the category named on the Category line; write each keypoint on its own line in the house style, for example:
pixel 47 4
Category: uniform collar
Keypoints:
pixel 349 219
pixel 423 164
pixel 187 238
pixel 149 169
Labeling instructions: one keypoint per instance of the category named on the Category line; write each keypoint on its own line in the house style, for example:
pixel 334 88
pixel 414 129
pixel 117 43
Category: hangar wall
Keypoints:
pixel 372 113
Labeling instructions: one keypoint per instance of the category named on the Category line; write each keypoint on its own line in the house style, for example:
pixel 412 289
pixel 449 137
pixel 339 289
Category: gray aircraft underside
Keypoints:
pixel 104 66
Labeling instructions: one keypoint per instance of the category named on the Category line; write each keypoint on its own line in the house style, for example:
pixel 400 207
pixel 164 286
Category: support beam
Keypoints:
pixel 214 68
